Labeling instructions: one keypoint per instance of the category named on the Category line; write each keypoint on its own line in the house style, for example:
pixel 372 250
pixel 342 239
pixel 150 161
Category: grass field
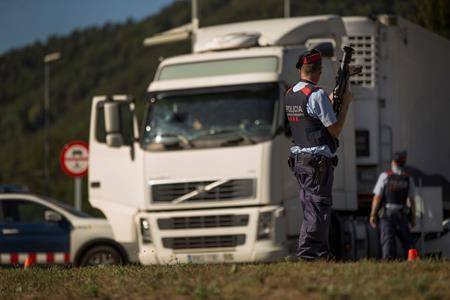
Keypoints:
pixel 321 280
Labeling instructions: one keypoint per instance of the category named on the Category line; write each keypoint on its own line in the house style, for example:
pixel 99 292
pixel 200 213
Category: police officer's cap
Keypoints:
pixel 309 57
pixel 400 157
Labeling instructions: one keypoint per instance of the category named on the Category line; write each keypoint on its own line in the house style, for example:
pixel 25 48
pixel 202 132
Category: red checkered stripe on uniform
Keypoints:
pixel 35 258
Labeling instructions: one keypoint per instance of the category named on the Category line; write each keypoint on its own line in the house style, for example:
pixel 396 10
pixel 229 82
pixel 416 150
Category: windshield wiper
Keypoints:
pixel 238 136
pixel 180 138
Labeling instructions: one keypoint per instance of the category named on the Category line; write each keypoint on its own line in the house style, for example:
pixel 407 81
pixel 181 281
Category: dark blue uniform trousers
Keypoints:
pixel 316 201
pixel 394 223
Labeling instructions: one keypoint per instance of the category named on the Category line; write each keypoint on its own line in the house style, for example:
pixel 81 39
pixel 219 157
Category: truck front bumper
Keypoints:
pixel 213 236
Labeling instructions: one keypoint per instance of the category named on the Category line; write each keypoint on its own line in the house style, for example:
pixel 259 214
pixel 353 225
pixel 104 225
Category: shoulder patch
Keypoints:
pixel 306 90
pixel 309 89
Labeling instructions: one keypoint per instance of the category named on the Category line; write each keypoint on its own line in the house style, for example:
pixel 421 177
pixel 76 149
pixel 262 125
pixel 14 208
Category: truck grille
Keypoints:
pixel 230 190
pixel 203 222
pixel 196 242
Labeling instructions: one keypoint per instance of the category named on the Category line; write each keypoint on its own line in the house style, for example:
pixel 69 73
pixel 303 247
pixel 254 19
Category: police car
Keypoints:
pixel 46 231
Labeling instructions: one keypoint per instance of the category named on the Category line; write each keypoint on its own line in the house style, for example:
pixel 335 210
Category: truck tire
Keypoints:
pixel 101 255
pixel 336 237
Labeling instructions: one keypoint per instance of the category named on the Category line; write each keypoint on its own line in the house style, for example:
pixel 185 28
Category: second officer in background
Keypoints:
pixel 393 202
pixel 315 129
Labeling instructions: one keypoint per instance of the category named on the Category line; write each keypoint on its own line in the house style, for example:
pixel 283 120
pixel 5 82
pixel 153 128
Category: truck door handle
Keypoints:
pixel 95 184
pixel 10 231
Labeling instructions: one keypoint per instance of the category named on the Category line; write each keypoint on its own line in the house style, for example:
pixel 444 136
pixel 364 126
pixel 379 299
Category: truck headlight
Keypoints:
pixel 145 231
pixel 265 225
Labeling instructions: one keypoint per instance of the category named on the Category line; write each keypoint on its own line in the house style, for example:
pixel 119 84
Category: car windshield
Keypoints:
pixel 70 209
pixel 227 116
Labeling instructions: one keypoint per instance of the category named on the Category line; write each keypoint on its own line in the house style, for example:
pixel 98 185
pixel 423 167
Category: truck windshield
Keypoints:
pixel 213 117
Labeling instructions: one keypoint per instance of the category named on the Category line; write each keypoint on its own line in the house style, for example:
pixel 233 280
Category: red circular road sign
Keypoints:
pixel 74 158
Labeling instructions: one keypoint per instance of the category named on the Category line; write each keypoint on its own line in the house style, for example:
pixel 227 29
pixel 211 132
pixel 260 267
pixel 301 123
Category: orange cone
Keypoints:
pixel 27 263
pixel 413 255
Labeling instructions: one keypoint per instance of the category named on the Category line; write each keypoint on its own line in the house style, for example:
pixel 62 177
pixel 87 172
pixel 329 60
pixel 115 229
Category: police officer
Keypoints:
pixel 315 129
pixel 391 193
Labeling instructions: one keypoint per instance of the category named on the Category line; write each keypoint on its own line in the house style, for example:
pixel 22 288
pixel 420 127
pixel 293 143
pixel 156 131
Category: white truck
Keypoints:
pixel 205 178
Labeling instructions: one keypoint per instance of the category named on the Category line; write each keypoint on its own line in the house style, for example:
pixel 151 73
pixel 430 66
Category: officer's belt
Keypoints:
pixel 312 160
pixel 394 206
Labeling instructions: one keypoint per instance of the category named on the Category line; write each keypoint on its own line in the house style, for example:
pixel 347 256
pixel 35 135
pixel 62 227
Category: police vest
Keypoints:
pixel 396 189
pixel 307 131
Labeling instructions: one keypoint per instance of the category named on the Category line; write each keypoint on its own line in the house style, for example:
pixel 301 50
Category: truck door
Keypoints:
pixel 115 164
pixel 25 230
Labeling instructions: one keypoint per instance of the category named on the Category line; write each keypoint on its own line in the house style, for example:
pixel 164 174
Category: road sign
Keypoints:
pixel 74 158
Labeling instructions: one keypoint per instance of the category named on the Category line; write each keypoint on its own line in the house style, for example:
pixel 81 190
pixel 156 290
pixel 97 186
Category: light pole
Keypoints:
pixel 194 22
pixel 287 8
pixel 48 59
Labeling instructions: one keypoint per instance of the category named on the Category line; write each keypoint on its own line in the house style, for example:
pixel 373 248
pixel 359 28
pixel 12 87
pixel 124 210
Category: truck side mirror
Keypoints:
pixel 446 226
pixel 113 130
pixel 52 216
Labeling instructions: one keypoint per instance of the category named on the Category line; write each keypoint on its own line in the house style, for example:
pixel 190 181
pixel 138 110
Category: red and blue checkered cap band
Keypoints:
pixel 311 59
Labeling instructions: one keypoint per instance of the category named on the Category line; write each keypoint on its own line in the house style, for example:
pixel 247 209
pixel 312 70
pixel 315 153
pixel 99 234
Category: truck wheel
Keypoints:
pixel 100 256
pixel 335 237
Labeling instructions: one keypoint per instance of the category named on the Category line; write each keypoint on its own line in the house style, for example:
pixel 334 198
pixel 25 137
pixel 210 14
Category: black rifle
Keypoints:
pixel 344 72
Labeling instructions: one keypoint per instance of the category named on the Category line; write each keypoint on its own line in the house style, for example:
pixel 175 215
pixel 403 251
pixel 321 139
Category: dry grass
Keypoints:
pixel 321 280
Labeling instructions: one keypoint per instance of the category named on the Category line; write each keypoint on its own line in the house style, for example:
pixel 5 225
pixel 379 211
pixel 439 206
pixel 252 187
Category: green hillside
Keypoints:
pixel 111 59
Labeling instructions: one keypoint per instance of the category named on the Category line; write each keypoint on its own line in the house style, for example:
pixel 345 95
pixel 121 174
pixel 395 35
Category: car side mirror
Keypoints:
pixel 114 136
pixel 52 216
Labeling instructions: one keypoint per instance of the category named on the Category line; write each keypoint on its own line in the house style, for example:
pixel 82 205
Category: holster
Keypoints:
pixel 291 162
pixel 408 212
pixel 319 169
pixel 318 163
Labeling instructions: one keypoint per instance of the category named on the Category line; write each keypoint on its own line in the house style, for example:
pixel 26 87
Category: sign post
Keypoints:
pixel 74 162
pixel 78 186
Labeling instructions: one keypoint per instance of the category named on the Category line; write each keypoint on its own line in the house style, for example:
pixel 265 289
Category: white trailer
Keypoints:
pixel 205 177
pixel 400 98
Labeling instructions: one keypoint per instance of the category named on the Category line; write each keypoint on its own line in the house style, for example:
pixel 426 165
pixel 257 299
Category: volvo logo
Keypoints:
pixel 201 188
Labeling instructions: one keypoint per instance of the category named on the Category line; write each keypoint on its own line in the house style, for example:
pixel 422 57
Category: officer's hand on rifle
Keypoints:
pixel 373 221
pixel 336 128
pixel 330 96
